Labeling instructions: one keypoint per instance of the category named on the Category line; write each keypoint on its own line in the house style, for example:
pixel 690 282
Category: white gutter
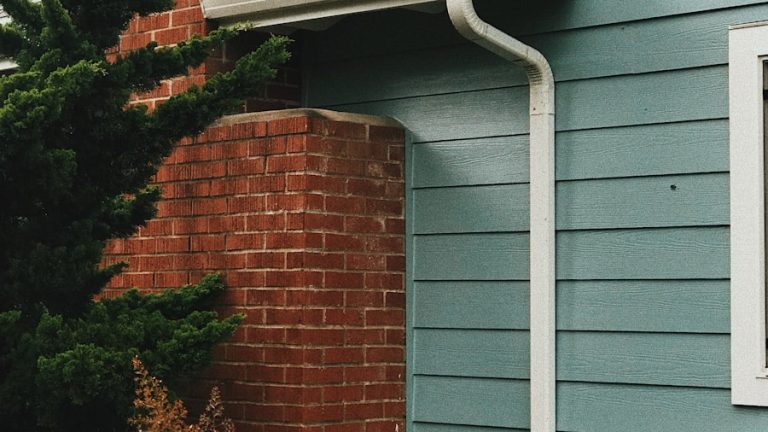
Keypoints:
pixel 542 190
pixel 269 13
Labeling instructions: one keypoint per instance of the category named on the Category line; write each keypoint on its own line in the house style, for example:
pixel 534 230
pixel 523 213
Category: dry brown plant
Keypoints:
pixel 213 419
pixel 155 413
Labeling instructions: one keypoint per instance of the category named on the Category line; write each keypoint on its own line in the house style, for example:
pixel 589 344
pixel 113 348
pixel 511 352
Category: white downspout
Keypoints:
pixel 542 198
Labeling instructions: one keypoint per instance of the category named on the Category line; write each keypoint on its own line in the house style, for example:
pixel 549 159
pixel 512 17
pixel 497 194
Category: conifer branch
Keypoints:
pixel 143 69
pixel 11 41
pixel 25 14
pixel 222 93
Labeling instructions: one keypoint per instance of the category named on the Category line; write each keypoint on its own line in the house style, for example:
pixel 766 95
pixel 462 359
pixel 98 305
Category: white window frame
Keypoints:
pixel 748 50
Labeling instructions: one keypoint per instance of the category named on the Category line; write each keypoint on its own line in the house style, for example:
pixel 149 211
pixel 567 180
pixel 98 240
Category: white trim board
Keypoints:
pixel 748 49
pixel 268 13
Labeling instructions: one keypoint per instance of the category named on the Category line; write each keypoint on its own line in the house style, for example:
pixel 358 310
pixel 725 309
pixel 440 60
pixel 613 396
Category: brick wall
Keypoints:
pixel 186 20
pixel 302 211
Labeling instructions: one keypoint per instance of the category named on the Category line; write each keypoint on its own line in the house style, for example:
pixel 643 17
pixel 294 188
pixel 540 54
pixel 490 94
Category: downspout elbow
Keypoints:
pixel 542 82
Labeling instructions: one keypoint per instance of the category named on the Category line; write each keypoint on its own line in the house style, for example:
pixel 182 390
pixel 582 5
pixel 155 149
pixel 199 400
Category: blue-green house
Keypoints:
pixel 645 169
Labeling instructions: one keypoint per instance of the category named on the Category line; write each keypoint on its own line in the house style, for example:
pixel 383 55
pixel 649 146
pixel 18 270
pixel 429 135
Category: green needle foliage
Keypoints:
pixel 75 166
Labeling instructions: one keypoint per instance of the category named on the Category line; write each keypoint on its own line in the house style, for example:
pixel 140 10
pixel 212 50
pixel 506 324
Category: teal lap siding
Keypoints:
pixel 642 208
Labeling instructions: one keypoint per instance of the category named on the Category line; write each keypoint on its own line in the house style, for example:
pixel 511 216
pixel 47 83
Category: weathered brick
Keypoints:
pixel 384 425
pixel 345 317
pixel 194 261
pixel 369 150
pixel 395 226
pixel 207 243
pixel 132 42
pixel 268 296
pixel 138 279
pixel 323 222
pixel 344 393
pixel 344 355
pixel 384 391
pixel 208 170
pixel 274 183
pixel 354 374
pixel 330 146
pixel 344 280
pixel 268 146
pixel 174 208
pixel 385 244
pixel 288 126
pixel 373 410
pixel 171 36
pixel 244 167
pixel 246 204
pixel 345 205
pixel 265 222
pixel 357 224
pixel 395 336
pixel 315 260
pixel 383 207
pixel 364 298
pixel 286 163
pixel 154 263
pixel 209 206
pixel 366 336
pixel 345 427
pixel 249 392
pixel 244 241
pixel 189 189
pixel 226 223
pixel 266 260
pixel 153 22
pixel 171 245
pixel 171 279
pixel 384 317
pixel 227 186
pixel 227 261
pixel 365 262
pixel 395 300
pixel 186 16
pixel 249 130
pixel 247 279
pixel 384 355
pixel 396 263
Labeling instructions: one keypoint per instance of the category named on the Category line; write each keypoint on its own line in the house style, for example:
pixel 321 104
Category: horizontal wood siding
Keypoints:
pixel 632 151
pixel 673 253
pixel 471 401
pixel 694 360
pixel 642 208
pixel 663 201
pixel 611 407
pixel 685 306
pixel 442 427
pixel 471 305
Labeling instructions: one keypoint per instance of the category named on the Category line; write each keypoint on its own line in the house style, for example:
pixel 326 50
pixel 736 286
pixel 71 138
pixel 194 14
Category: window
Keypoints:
pixel 748 73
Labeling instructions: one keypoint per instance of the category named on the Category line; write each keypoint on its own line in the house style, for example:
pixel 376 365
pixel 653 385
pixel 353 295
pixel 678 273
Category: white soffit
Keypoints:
pixel 268 13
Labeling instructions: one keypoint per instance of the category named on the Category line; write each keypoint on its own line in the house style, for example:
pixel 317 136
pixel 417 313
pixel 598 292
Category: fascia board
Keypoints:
pixel 267 13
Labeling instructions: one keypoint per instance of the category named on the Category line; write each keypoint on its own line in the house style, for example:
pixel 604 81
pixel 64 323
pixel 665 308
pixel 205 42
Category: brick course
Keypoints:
pixel 310 243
